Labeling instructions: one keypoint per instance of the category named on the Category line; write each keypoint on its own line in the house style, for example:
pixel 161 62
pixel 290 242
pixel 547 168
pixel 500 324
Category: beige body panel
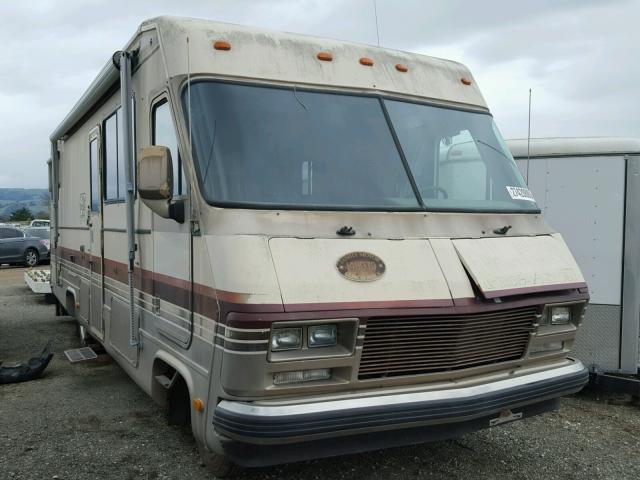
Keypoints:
pixel 292 58
pixel 307 272
pixel 454 273
pixel 242 265
pixel 508 266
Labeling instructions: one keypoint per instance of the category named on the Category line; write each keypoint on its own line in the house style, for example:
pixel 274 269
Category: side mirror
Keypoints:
pixel 155 182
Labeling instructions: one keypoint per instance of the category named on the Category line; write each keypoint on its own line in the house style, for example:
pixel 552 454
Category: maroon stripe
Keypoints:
pixel 264 320
pixel 177 291
pixel 528 290
pixel 459 302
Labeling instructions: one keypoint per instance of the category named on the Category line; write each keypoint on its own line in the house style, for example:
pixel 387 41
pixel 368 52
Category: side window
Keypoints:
pixel 11 233
pixel 115 177
pixel 111 159
pixel 164 134
pixel 95 174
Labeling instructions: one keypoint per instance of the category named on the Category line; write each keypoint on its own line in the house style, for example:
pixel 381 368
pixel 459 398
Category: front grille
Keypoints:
pixel 437 343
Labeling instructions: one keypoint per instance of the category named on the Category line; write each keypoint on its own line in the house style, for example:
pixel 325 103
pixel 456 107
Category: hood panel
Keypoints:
pixel 309 279
pixel 517 265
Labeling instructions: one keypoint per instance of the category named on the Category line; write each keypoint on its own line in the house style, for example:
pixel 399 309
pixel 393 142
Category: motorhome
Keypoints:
pixel 279 238
pixel 600 178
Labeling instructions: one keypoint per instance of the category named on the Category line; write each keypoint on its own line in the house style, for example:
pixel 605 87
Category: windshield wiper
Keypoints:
pixel 493 148
pixel 211 152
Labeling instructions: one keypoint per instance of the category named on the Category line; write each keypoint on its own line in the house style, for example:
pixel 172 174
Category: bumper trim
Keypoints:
pixel 256 424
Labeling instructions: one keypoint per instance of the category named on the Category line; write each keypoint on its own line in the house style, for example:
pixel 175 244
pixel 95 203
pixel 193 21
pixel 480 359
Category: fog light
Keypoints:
pixel 560 315
pixel 286 339
pixel 284 378
pixel 323 335
pixel 546 347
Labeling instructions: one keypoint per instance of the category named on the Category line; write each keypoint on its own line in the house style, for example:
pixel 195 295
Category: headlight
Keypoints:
pixel 560 315
pixel 286 339
pixel 322 335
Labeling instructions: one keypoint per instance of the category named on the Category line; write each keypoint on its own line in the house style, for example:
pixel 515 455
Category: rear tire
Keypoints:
pixel 31 257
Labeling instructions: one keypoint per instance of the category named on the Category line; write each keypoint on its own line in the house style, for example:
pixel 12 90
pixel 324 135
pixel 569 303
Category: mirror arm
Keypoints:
pixel 176 210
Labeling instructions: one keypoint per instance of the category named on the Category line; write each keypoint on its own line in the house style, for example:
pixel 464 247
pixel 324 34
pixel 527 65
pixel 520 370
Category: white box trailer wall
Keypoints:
pixel 589 189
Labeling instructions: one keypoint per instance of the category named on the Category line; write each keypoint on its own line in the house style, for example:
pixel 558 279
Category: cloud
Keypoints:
pixel 578 56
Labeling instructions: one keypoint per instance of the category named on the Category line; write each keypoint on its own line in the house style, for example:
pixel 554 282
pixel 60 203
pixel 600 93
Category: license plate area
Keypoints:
pixel 505 416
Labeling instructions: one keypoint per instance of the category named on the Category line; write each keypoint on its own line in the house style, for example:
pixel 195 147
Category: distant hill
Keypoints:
pixel 35 199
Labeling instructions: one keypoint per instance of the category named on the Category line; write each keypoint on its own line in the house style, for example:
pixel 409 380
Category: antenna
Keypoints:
pixel 189 92
pixel 529 139
pixel 375 11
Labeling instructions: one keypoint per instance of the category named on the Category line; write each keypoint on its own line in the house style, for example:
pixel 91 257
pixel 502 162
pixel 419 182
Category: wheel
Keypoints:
pixel 85 339
pixel 219 465
pixel 31 257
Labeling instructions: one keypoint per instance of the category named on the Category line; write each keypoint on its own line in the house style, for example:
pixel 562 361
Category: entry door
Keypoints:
pixel 94 221
pixel 171 240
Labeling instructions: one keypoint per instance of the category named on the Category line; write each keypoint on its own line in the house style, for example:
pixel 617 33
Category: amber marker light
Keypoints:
pixel 465 81
pixel 325 56
pixel 401 68
pixel 367 62
pixel 221 45
pixel 198 404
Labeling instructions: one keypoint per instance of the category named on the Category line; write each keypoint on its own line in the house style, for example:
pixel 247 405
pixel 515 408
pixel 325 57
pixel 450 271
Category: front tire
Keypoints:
pixel 31 257
pixel 219 465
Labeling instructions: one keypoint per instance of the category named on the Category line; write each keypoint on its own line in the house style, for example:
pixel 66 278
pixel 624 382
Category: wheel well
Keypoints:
pixel 170 389
pixel 70 303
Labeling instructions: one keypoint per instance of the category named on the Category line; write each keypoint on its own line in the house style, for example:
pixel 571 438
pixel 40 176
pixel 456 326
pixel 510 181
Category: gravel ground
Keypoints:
pixel 89 421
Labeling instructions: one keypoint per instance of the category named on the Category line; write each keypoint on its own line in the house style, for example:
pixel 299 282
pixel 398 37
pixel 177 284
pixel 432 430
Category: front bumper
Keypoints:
pixel 254 434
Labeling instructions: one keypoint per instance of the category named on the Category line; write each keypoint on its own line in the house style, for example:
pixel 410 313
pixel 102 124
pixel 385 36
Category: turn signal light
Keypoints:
pixel 301 376
pixel 198 404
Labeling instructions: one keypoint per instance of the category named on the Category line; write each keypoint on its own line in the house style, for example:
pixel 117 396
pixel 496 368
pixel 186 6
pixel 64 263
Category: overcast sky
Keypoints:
pixel 580 57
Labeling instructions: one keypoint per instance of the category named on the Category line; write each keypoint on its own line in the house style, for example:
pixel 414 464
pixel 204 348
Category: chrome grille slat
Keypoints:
pixel 418 366
pixel 418 345
pixel 444 335
pixel 453 354
pixel 445 349
pixel 448 322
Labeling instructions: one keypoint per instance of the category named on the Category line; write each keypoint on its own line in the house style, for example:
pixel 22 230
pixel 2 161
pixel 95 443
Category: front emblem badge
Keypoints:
pixel 361 266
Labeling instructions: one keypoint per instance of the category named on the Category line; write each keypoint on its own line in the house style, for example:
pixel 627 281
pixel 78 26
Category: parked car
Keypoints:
pixel 38 232
pixel 39 222
pixel 19 247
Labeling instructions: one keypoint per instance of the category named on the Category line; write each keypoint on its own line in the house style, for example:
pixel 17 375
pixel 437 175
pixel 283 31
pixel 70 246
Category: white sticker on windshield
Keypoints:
pixel 520 193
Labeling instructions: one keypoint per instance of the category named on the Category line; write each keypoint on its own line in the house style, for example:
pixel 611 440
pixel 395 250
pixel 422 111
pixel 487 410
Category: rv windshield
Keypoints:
pixel 258 146
pixel 458 159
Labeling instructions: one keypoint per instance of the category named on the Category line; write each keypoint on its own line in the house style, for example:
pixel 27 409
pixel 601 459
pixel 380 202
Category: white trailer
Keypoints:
pixel 589 189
